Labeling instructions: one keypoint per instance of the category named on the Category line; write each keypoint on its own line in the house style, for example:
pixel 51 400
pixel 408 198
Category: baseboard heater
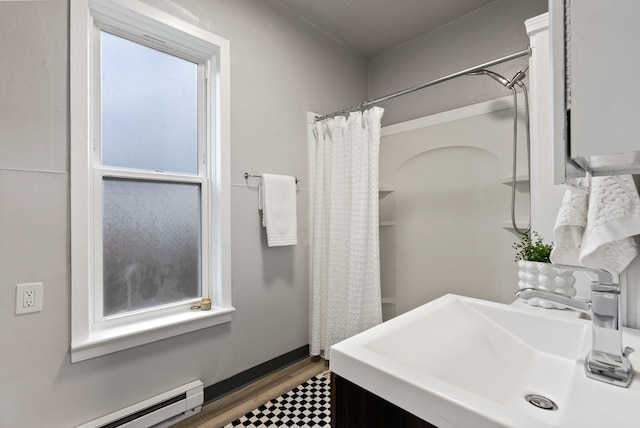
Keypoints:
pixel 160 411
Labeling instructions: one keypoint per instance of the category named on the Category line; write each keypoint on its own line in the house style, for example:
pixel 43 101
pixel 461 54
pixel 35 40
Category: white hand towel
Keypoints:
pixel 569 228
pixel 603 238
pixel 278 205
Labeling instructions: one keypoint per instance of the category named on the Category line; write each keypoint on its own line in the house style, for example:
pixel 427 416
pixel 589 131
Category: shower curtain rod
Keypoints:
pixel 361 106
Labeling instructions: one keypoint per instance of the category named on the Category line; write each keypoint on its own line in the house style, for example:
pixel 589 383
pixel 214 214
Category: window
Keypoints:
pixel 149 176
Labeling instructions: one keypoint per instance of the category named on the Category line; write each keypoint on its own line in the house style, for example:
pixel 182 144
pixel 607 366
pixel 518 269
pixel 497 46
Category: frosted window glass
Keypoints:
pixel 151 233
pixel 149 108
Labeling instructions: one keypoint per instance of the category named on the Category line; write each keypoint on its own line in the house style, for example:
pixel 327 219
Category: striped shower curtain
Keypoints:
pixel 345 266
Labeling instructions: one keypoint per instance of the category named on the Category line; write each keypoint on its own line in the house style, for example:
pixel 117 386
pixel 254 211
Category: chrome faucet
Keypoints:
pixel 607 361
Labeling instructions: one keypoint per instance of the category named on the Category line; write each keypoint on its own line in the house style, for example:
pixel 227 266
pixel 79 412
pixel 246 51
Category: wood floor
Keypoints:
pixel 231 407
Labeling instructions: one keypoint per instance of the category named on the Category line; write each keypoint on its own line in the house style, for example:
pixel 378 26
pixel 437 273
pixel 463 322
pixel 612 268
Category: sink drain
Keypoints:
pixel 541 402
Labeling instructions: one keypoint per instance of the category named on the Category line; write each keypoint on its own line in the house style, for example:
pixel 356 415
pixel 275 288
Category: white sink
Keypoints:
pixel 463 362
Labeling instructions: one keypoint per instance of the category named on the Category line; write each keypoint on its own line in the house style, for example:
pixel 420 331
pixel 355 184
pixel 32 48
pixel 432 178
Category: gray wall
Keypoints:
pixel 488 33
pixel 278 70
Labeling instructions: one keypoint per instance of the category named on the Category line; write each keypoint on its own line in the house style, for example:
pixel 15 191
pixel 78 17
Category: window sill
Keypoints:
pixel 111 340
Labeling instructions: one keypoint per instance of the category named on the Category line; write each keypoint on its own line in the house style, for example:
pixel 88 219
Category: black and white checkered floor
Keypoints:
pixel 307 405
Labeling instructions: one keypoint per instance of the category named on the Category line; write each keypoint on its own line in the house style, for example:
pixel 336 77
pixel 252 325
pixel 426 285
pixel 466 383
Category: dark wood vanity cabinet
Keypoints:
pixel 355 407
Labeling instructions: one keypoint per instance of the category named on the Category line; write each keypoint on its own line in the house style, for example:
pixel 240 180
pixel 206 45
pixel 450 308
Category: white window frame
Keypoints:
pixel 91 334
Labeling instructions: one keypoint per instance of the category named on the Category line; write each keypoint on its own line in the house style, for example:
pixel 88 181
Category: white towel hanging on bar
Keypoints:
pixel 279 211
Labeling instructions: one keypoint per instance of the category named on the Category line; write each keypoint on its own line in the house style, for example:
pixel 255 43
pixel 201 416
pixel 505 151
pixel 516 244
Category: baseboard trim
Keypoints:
pixel 217 390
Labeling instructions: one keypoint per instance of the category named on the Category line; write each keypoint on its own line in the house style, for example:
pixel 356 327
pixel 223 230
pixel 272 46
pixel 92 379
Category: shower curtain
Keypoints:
pixel 345 253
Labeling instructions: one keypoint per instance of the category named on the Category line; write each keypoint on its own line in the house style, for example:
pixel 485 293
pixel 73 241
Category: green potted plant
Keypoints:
pixel 536 270
pixel 532 251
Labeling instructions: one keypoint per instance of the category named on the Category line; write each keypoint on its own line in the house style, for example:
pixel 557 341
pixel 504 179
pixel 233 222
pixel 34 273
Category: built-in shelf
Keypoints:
pixel 387 200
pixel 521 224
pixel 385 190
pixel 520 179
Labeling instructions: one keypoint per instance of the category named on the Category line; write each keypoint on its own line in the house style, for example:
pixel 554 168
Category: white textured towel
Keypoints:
pixel 596 230
pixel 278 205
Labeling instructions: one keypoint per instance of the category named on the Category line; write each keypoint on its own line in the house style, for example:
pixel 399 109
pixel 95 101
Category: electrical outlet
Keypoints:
pixel 29 297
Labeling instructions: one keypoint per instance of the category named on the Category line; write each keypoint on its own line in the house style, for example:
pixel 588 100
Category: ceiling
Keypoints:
pixel 372 27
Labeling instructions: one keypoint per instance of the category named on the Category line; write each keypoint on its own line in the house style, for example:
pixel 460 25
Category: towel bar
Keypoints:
pixel 247 175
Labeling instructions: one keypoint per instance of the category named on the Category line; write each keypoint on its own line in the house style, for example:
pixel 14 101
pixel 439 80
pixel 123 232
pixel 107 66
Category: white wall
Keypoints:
pixel 444 167
pixel 486 34
pixel 279 72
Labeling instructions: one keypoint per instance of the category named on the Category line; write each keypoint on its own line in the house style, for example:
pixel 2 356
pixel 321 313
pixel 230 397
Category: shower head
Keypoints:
pixel 495 76
pixel 509 84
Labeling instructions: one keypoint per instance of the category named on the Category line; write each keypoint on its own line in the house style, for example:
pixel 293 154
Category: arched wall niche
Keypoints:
pixel 443 215
pixel 450 206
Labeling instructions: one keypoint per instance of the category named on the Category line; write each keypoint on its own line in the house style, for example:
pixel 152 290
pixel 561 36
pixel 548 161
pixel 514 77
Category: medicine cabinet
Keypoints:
pixel 595 57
